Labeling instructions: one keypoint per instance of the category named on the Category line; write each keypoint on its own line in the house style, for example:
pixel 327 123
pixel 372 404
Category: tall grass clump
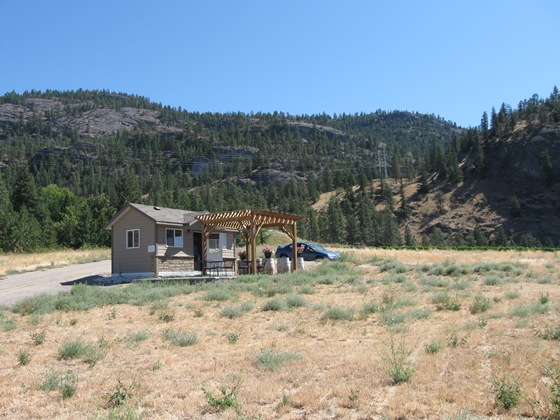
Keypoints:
pixel 66 384
pixel 444 301
pixel 370 307
pixel 180 338
pixel 136 337
pixel 395 267
pixel 217 294
pixel 270 359
pixel 89 353
pixel 391 317
pixel 338 313
pixel 232 312
pixel 295 301
pixel 274 304
pixel 434 282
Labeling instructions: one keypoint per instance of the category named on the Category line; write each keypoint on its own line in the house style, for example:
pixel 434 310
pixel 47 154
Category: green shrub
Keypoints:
pixel 231 312
pixel 166 316
pixel 338 313
pixel 444 301
pixel 512 295
pixel 480 304
pixel 395 266
pixel 68 385
pixel 551 333
pixel 90 353
pixel 306 289
pixel 120 395
pixel 136 337
pixel 552 405
pixel 433 347
pixel 180 338
pixel 8 324
pixel 370 307
pixel 226 399
pixel 492 280
pixel 434 281
pixel 38 338
pixel 506 393
pixel 233 338
pixel 392 317
pixel 270 359
pixel 295 301
pixel 73 349
pixel 422 313
pixel 217 294
pixel 274 304
pixel 23 357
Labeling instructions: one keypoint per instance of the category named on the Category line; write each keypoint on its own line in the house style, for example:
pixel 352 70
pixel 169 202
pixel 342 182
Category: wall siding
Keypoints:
pixel 136 260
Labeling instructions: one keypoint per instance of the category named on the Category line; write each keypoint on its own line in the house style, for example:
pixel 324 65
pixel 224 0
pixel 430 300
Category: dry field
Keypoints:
pixel 19 263
pixel 462 332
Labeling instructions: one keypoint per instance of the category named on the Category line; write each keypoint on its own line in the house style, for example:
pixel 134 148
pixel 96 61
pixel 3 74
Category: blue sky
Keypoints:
pixel 455 59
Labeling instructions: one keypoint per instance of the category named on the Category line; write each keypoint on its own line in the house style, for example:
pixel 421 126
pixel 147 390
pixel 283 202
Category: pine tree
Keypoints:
pixel 409 239
pixel 127 189
pixel 335 222
pixel 515 207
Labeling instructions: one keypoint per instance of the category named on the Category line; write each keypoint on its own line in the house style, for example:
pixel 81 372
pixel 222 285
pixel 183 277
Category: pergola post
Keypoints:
pixel 294 247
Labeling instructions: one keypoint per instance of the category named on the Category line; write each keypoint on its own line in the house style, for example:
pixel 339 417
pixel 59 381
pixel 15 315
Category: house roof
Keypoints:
pixel 160 215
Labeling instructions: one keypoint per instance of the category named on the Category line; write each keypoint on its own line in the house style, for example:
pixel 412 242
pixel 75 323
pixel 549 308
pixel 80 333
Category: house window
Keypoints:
pixel 133 238
pixel 174 238
pixel 214 241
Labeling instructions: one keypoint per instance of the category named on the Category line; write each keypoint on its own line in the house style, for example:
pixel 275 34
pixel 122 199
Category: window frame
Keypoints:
pixel 135 244
pixel 214 239
pixel 182 236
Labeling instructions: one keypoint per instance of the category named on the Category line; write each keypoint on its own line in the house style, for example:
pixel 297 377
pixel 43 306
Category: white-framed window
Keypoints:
pixel 133 238
pixel 214 241
pixel 174 238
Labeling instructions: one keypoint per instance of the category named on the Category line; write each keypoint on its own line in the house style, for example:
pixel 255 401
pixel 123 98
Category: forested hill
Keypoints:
pixel 69 160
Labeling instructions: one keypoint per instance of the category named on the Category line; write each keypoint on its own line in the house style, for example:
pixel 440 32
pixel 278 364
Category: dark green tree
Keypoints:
pixel 409 239
pixel 515 207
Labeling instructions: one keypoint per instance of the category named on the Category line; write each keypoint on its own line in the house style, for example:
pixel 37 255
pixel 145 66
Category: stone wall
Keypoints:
pixel 170 264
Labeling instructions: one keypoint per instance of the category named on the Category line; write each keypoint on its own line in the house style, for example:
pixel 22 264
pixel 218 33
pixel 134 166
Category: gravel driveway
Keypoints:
pixel 19 286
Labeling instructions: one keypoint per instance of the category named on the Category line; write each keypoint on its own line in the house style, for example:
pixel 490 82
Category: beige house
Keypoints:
pixel 151 241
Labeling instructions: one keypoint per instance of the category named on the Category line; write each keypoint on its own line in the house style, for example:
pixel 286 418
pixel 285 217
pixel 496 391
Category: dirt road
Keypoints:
pixel 19 286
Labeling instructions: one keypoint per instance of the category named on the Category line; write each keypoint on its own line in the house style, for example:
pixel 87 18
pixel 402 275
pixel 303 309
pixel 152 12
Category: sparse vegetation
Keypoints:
pixel 340 331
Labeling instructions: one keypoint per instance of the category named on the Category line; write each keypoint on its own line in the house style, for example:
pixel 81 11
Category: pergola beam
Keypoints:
pixel 249 223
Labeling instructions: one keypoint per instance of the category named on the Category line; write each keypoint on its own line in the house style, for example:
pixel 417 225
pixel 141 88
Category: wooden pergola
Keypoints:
pixel 249 223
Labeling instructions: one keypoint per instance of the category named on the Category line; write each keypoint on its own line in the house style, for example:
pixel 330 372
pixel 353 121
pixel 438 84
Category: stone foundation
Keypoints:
pixel 178 264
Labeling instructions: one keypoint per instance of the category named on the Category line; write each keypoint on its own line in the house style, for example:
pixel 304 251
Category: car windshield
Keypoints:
pixel 316 247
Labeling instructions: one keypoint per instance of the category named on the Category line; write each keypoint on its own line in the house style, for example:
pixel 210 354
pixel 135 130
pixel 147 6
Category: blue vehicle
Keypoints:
pixel 310 252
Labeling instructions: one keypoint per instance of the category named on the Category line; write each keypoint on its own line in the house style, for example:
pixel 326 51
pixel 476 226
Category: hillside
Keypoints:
pixel 88 152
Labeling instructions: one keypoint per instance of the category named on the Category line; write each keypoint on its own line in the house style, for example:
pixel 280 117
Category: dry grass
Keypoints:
pixel 18 263
pixel 339 369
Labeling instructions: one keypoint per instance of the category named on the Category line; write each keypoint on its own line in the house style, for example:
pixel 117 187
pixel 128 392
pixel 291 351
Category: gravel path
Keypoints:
pixel 19 286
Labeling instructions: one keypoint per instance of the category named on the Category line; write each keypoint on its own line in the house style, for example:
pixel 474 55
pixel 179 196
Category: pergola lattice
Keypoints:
pixel 249 223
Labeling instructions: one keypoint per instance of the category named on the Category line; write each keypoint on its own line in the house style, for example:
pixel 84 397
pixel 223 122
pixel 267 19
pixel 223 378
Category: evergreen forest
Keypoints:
pixel 69 160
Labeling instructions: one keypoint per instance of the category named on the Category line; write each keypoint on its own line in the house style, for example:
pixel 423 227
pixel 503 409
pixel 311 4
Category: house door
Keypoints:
pixel 197 239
